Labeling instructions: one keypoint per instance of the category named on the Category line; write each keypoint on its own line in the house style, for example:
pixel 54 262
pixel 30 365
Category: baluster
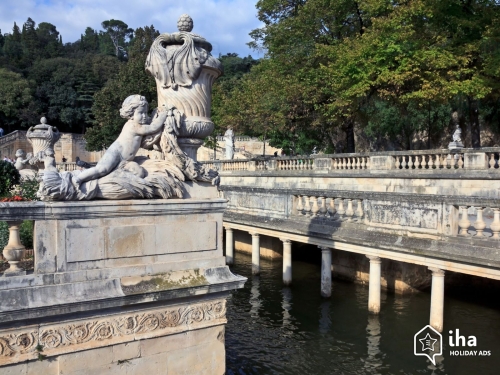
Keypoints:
pixel 460 160
pixel 418 162
pixel 359 209
pixel 323 210
pixel 398 163
pixel 448 161
pixel 368 162
pixel 404 162
pixel 300 207
pixel 437 162
pixel 410 162
pixel 479 224
pixel 492 160
pixel 363 164
pixel 331 208
pixel 307 206
pixel 315 207
pixel 341 209
pixel 464 222
pixel 358 163
pixel 334 163
pixel 349 212
pixel 431 162
pixel 343 163
pixel 349 164
pixel 495 225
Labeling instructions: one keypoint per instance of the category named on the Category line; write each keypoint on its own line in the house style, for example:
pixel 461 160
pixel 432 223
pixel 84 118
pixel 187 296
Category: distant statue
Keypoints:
pixel 135 109
pixel 229 140
pixel 456 143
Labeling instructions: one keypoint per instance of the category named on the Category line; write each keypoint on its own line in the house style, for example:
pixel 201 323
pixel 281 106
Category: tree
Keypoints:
pixel 118 31
pixel 15 94
pixel 131 79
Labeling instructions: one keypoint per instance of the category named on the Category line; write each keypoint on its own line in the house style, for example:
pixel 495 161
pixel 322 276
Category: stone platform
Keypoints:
pixel 125 287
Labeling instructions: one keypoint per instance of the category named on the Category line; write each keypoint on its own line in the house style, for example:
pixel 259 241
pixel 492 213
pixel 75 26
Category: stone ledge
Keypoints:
pixel 108 208
pixel 41 302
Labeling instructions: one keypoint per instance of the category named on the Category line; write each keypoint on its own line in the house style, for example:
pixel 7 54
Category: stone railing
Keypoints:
pixel 425 161
pixel 485 217
pixel 67 167
pixel 239 138
pixel 12 137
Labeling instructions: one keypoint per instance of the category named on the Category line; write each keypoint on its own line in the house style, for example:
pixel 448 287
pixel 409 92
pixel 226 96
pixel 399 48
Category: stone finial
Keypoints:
pixel 185 23
pixel 43 120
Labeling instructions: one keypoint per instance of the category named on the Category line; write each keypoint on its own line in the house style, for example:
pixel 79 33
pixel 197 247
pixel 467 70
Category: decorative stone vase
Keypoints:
pixel 14 251
pixel 42 136
pixel 184 72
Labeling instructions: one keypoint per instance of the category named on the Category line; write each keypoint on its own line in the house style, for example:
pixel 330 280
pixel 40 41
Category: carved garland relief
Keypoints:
pixel 53 340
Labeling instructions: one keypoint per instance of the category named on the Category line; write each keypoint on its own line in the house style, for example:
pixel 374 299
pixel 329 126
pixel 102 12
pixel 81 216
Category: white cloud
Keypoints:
pixel 224 23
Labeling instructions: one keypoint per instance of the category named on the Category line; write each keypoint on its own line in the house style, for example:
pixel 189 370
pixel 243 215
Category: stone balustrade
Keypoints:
pixel 426 161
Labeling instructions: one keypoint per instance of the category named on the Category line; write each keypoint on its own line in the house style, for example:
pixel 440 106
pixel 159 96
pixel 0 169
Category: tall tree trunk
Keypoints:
pixel 475 134
pixel 349 135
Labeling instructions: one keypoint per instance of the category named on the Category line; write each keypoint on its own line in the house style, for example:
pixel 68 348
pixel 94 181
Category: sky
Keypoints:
pixel 224 23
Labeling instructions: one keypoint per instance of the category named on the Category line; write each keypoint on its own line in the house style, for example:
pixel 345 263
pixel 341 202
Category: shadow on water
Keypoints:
pixel 274 329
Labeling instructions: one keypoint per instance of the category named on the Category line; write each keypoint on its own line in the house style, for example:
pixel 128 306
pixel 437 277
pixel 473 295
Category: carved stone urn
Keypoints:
pixel 42 136
pixel 184 72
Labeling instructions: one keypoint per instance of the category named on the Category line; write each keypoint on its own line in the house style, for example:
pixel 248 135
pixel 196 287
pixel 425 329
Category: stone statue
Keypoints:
pixel 229 143
pixel 456 144
pixel 21 160
pixel 184 72
pixel 135 109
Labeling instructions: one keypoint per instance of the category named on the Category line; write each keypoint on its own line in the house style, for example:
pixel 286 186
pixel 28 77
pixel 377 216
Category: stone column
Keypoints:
pixel 374 285
pixel 255 253
pixel 437 299
pixel 326 271
pixel 287 261
pixel 229 246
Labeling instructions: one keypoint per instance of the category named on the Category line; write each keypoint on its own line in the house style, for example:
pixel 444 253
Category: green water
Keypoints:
pixel 274 329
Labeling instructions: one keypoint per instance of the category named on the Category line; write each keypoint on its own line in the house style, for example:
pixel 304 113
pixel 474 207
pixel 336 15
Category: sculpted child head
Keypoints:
pixel 131 104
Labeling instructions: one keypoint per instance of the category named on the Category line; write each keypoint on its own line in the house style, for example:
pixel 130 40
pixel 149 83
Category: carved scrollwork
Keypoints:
pixel 69 336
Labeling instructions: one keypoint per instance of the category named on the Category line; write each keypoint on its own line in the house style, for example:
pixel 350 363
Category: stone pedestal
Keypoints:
pixel 229 246
pixel 287 262
pixel 14 251
pixel 119 287
pixel 374 285
pixel 255 254
pixel 326 272
pixel 437 299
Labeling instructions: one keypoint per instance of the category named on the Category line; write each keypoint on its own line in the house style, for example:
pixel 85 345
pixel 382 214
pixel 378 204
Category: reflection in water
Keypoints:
pixel 255 297
pixel 324 321
pixel 291 330
pixel 286 305
pixel 374 360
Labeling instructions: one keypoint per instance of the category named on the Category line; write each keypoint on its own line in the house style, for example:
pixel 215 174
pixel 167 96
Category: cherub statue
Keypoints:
pixel 124 149
pixel 21 159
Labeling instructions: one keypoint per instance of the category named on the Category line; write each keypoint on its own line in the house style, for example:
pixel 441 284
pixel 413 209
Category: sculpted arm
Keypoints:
pixel 155 125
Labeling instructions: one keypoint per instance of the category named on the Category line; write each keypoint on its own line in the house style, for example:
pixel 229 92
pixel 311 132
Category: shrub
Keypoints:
pixel 28 189
pixel 9 176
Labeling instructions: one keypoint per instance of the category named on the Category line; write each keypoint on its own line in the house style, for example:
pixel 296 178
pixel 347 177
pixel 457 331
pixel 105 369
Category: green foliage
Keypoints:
pixel 392 68
pixel 15 95
pixel 131 79
pixel 9 176
pixel 4 234
pixel 27 188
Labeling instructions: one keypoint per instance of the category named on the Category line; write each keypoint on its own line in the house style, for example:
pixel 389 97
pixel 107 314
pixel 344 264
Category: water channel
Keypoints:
pixel 274 329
